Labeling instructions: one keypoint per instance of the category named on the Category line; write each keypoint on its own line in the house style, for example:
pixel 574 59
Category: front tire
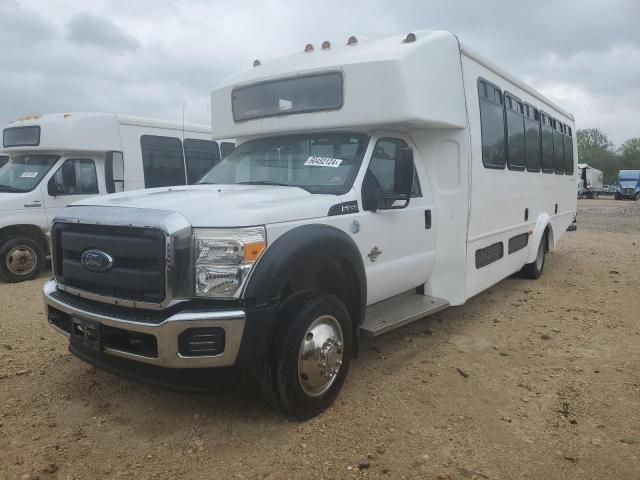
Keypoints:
pixel 310 355
pixel 534 269
pixel 21 258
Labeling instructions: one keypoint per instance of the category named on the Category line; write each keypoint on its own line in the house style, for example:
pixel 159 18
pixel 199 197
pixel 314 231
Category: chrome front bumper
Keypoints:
pixel 165 332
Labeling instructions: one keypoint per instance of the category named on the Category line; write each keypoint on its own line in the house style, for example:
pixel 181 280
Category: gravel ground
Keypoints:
pixel 530 379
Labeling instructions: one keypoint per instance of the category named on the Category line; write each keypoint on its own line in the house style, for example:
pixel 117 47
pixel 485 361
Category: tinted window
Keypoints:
pixel 162 161
pixel 200 156
pixel 383 166
pixel 226 148
pixel 547 145
pixel 558 148
pixel 515 134
pixel 492 126
pixel 287 96
pixel 76 176
pixel 532 139
pixel 568 154
pixel 3 160
pixel 114 172
pixel 21 136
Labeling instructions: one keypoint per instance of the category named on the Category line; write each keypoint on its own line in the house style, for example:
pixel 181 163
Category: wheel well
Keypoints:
pixel 31 231
pixel 332 275
pixel 549 239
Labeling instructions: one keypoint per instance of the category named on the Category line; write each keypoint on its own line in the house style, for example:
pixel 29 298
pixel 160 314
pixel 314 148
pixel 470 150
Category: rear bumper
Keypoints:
pixel 163 336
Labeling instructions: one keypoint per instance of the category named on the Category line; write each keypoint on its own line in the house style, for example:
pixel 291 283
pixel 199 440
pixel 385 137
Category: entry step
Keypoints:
pixel 398 311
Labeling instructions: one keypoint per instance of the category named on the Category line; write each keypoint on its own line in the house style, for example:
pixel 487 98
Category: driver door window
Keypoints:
pixel 76 176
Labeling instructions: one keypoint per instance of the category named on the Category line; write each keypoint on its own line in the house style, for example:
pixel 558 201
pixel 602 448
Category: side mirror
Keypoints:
pixel 403 182
pixel 375 198
pixel 53 189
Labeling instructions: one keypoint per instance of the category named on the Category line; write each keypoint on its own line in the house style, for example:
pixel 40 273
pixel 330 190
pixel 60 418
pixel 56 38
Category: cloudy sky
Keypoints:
pixel 145 57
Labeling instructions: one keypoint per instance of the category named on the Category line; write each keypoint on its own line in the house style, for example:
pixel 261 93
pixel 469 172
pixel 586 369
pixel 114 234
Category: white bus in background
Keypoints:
pixel 375 183
pixel 57 159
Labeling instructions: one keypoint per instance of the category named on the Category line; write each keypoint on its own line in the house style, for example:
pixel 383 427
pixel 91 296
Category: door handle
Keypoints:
pixel 427 219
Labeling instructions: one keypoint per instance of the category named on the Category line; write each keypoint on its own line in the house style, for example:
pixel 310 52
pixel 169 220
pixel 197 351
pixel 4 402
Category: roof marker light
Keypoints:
pixel 326 45
pixel 256 63
pixel 352 40
pixel 410 38
pixel 308 48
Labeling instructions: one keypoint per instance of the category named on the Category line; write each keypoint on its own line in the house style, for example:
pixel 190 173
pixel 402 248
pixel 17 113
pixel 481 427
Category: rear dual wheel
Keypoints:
pixel 534 269
pixel 310 355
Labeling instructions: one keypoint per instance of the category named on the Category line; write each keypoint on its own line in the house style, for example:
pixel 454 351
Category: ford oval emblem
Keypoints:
pixel 96 260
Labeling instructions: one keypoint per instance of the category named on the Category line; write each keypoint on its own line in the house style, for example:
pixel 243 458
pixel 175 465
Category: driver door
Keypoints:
pixel 397 244
pixel 74 180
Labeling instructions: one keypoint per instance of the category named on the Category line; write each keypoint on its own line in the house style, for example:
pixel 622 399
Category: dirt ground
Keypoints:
pixel 530 379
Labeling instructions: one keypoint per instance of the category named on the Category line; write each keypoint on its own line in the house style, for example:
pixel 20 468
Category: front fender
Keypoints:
pixel 299 247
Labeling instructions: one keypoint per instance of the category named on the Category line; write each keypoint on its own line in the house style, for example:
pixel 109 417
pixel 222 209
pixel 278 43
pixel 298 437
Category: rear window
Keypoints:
pixel 302 94
pixel 21 136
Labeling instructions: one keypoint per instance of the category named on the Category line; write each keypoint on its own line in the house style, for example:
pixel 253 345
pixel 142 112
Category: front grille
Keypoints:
pixel 138 271
pixel 628 191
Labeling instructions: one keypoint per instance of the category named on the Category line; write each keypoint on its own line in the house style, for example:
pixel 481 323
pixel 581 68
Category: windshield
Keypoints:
pixel 628 180
pixel 24 172
pixel 319 163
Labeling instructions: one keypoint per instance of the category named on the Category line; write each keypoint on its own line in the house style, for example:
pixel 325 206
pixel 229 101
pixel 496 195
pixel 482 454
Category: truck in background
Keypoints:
pixel 628 185
pixel 57 159
pixel 590 181
pixel 376 183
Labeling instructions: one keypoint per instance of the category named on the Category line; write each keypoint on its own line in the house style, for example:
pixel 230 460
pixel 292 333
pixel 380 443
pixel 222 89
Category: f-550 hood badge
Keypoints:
pixel 96 260
pixel 374 254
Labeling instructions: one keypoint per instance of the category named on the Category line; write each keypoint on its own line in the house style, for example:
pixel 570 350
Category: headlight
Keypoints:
pixel 224 257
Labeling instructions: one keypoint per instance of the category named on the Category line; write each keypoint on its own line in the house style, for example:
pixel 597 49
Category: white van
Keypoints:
pixel 60 158
pixel 375 183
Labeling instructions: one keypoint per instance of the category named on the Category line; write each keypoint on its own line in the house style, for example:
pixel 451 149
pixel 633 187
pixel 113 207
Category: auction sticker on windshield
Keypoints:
pixel 28 174
pixel 323 162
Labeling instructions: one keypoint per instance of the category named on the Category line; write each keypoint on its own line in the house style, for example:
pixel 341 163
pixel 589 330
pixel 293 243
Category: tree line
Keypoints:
pixel 596 149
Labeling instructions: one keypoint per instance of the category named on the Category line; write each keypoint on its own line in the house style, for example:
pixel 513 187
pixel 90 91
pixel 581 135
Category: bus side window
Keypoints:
pixel 492 125
pixel 114 172
pixel 162 160
pixel 547 144
pixel 558 147
pixel 201 156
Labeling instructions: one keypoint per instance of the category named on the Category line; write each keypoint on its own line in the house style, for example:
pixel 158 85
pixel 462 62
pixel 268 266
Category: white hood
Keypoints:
pixel 226 205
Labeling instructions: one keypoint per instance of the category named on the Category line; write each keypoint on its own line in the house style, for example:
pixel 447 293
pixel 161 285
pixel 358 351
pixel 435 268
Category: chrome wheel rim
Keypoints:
pixel 540 256
pixel 320 355
pixel 21 260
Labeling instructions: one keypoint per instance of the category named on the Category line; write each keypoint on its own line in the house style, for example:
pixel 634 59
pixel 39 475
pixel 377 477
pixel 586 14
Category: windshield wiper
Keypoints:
pixel 9 188
pixel 266 182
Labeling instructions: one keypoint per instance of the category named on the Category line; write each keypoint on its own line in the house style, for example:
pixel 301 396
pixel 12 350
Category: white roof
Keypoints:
pixel 91 131
pixel 387 82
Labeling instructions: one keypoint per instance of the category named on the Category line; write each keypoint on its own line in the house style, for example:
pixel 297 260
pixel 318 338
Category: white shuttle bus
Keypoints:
pixel 374 183
pixel 60 158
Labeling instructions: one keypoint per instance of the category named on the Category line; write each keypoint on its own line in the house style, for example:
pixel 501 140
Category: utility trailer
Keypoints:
pixel 590 181
pixel 375 183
